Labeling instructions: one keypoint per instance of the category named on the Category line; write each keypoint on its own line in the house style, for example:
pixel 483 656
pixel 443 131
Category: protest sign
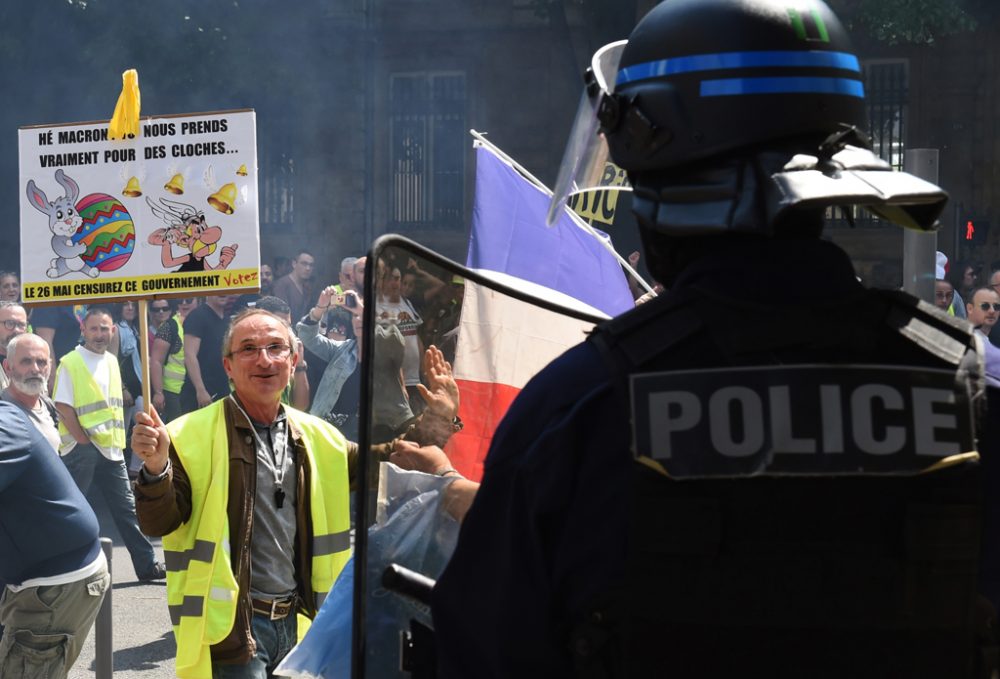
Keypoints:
pixel 170 213
pixel 598 204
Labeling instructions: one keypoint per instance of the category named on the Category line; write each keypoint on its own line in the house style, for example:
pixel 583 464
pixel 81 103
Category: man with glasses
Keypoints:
pixel 276 477
pixel 994 284
pixel 984 310
pixel 13 322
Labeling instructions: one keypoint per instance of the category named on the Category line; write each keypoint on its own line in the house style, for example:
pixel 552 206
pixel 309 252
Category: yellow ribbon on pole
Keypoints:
pixel 125 122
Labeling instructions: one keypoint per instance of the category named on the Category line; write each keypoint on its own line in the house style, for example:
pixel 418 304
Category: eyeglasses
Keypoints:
pixel 276 352
pixel 15 325
pixel 159 309
pixel 985 306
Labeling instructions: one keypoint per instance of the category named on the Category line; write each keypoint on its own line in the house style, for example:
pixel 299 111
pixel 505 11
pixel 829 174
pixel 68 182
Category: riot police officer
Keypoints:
pixel 770 469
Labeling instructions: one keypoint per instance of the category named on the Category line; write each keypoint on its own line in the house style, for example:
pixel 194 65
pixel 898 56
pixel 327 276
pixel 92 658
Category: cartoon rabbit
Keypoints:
pixel 64 221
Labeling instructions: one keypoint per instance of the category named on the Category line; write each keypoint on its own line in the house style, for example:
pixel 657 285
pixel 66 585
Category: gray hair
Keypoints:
pixel 227 338
pixel 6 304
pixel 16 341
pixel 347 264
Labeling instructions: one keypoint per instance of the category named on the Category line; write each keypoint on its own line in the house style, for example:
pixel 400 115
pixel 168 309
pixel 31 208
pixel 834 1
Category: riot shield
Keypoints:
pixel 445 351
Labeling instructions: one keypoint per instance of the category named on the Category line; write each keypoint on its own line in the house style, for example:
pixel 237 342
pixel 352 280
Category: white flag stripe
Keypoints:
pixel 505 341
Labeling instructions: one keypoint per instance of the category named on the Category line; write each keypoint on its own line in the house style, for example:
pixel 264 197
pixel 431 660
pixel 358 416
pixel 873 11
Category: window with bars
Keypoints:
pixel 276 184
pixel 886 84
pixel 426 146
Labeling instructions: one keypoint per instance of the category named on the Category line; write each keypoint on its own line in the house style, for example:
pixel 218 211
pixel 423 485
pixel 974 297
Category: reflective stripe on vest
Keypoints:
pixel 331 539
pixel 100 417
pixel 202 592
pixel 173 369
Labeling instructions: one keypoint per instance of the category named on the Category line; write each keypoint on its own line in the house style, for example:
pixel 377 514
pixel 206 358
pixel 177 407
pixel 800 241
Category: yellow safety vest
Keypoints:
pixel 173 368
pixel 102 418
pixel 202 591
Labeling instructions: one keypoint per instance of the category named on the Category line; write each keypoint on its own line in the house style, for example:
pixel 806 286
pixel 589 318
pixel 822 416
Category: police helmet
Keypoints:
pixel 699 80
pixel 690 66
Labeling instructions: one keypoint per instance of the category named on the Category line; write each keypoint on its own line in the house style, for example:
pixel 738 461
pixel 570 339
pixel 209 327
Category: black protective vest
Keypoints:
pixel 795 575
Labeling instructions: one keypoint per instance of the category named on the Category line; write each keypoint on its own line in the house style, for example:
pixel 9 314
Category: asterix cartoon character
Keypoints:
pixel 186 229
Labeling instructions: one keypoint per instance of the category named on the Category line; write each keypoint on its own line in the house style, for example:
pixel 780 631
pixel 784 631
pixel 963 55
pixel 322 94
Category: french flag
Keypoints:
pixel 503 342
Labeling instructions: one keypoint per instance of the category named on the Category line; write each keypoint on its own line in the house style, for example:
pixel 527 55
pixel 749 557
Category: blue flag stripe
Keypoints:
pixel 734 60
pixel 509 236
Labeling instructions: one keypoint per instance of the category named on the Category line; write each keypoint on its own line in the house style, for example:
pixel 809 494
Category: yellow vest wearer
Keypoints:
pixel 102 418
pixel 173 368
pixel 202 591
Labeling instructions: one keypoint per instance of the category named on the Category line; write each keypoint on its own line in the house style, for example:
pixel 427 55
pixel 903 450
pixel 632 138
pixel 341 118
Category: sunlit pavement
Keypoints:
pixel 143 644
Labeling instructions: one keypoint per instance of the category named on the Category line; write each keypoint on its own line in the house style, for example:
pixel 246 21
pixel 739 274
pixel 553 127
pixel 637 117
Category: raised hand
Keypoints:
pixel 441 394
pixel 150 441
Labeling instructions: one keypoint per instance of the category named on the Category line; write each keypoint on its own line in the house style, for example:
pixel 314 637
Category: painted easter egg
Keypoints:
pixel 107 231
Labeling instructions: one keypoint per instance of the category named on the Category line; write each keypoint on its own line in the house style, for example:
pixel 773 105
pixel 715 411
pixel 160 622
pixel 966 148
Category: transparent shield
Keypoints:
pixel 586 155
pixel 446 352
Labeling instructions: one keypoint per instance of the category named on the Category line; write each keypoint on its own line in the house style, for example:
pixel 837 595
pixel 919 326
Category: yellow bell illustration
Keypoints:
pixel 132 189
pixel 224 200
pixel 175 185
pixel 242 171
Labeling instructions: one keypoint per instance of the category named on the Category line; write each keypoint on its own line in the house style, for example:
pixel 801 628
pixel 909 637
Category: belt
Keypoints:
pixel 274 609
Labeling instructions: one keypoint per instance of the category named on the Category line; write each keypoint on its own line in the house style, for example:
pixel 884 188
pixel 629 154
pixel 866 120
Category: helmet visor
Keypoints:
pixel 585 162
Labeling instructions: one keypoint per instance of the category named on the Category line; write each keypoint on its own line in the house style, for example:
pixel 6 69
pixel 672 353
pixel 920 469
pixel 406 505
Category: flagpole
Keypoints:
pixel 577 219
pixel 479 137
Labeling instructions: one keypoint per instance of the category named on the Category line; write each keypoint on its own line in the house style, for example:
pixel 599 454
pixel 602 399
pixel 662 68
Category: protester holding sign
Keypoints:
pixel 283 492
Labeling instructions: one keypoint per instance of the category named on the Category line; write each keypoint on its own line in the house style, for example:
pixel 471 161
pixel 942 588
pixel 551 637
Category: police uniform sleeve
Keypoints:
pixel 544 535
pixel 163 505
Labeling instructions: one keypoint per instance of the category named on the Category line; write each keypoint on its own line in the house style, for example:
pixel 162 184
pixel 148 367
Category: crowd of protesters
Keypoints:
pixel 81 388
pixel 87 400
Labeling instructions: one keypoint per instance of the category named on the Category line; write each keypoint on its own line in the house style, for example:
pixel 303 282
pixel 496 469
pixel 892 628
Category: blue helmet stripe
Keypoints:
pixel 731 60
pixel 743 86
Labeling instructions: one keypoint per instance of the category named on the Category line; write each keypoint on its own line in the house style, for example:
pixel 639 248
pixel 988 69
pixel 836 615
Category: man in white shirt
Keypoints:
pixel 27 366
pixel 88 395
pixel 394 309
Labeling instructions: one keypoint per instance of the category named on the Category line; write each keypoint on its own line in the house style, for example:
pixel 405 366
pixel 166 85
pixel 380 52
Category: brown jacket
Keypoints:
pixel 164 505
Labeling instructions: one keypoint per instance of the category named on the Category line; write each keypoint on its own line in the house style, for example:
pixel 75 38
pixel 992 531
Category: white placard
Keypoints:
pixel 171 213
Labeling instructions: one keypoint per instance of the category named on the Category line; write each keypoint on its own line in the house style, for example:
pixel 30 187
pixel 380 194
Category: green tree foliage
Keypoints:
pixel 897 22
pixel 890 21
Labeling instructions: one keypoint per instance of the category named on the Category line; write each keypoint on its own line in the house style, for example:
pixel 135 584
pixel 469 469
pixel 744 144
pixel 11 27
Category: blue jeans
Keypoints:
pixel 275 638
pixel 88 467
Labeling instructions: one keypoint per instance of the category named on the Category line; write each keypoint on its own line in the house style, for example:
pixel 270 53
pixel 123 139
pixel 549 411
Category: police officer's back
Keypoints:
pixel 766 470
